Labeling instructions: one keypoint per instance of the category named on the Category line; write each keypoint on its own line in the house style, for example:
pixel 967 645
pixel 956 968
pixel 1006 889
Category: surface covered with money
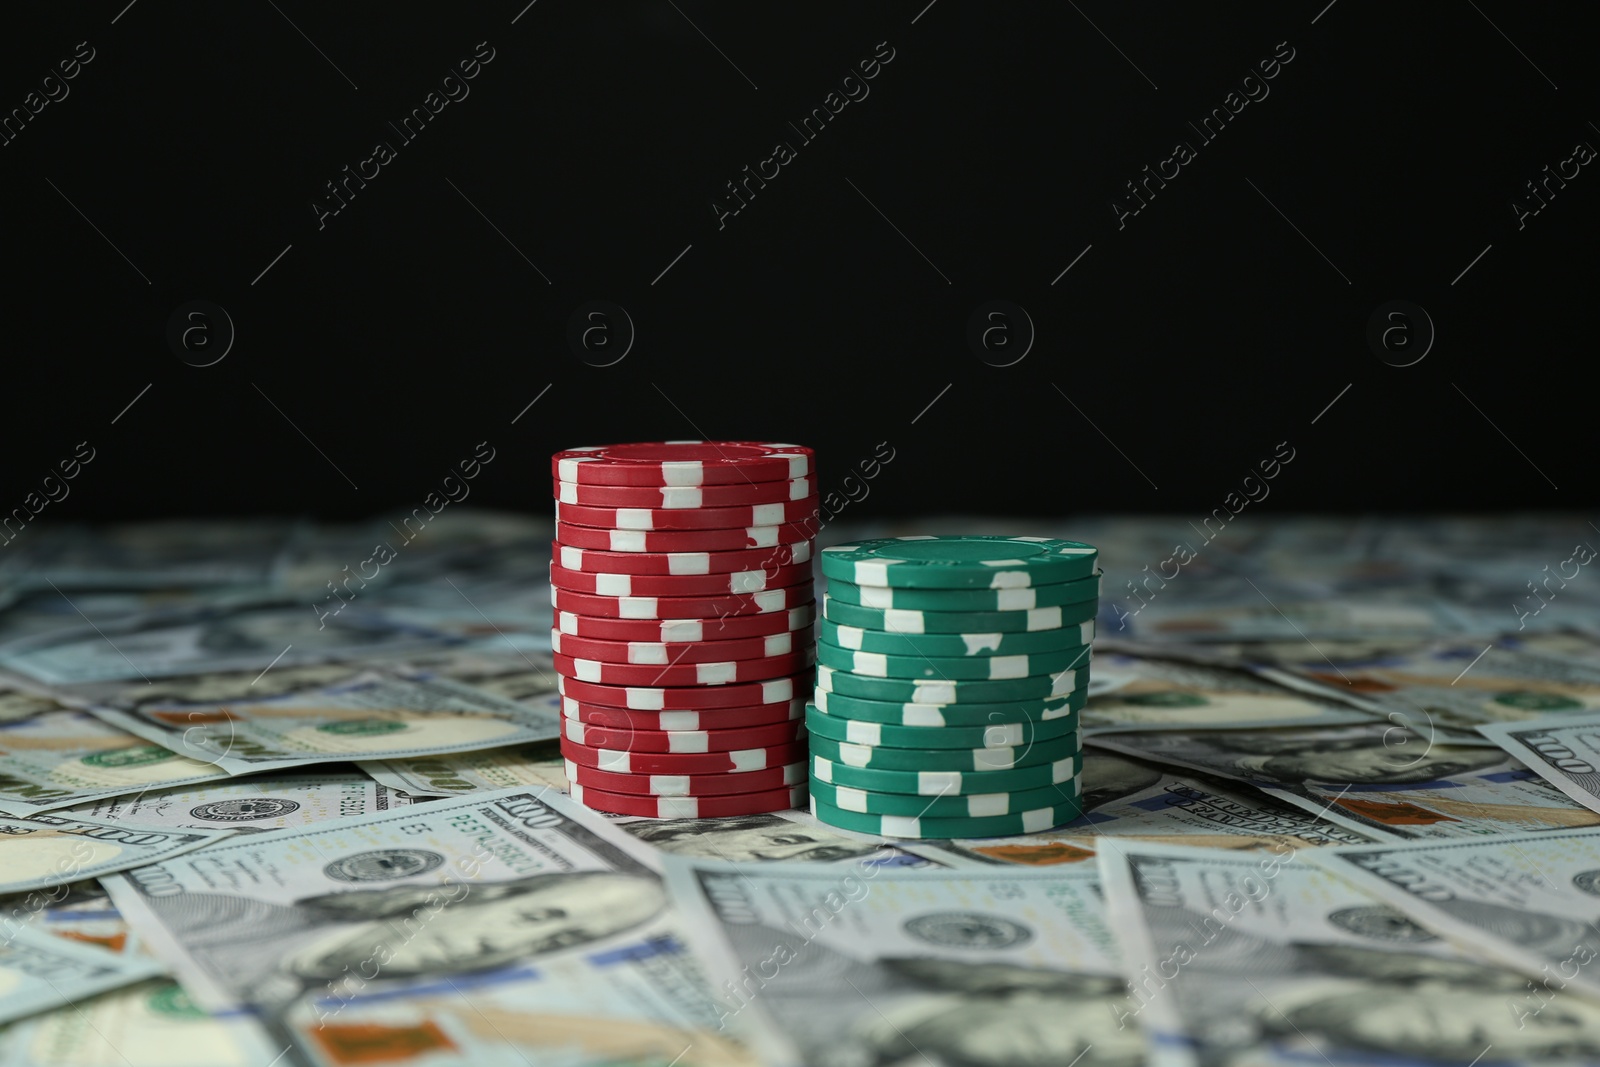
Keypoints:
pixel 287 793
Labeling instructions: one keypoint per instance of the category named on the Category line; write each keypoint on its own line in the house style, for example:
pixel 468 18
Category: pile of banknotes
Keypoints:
pixel 283 793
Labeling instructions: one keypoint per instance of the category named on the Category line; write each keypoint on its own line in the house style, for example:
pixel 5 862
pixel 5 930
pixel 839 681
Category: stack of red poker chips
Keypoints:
pixel 682 585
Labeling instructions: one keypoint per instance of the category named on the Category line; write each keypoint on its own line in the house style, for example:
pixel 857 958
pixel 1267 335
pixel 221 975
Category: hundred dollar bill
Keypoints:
pixel 250 805
pixel 1126 798
pixel 39 972
pixel 175 554
pixel 865 967
pixel 448 774
pixel 1526 900
pixel 1564 750
pixel 151 1023
pixel 249 637
pixel 1386 781
pixel 1247 959
pixel 57 758
pixel 240 726
pixel 1166 695
pixel 45 850
pixel 426 929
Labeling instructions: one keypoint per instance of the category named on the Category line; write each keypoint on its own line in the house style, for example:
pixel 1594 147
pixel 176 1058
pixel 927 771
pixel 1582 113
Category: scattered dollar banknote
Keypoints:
pixel 302 719
pixel 1564 750
pixel 1237 958
pixel 39 972
pixel 58 758
pixel 1131 798
pixel 250 805
pixel 407 929
pixel 1526 900
pixel 1386 781
pixel 860 966
pixel 1169 695
pixel 46 849
pixel 223 637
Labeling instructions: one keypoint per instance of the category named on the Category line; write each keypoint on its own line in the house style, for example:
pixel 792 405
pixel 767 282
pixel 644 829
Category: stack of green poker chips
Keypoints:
pixel 951 671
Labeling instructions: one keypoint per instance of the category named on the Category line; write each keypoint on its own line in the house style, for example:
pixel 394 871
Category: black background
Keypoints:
pixel 1172 356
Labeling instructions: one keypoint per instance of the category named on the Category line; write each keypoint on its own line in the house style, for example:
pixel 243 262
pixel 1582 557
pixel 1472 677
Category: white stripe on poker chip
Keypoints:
pixel 572 558
pixel 683 472
pixel 613 760
pixel 1084 551
pixel 645 699
pixel 555 640
pixel 1010 579
pixel 747 581
pixel 715 673
pixel 771 600
pixel 1003 735
pixel 855 755
pixel 766 514
pixel 900 826
pixel 800 553
pixel 665 785
pixel 689 741
pixel 675 631
pixel 938 783
pixel 850 799
pixel 822 768
pixel 979 643
pixel 778 645
pixel 587 670
pixel 636 607
pixel 749 759
pixel 567 469
pixel 980 805
pixel 679 720
pixel 1038 819
pixel 1062 770
pixel 873 572
pixel 635 519
pixel 776 690
pixel 849 637
pixel 903 620
pixel 677 807
pixel 574 730
pixel 613 584
pixel 1044 619
pixel 876 596
pixel 824 678
pixel 1086 632
pixel 627 541
pixel 799 488
pixel 1001 667
pixel 871 664
pixel 681 496
pixel 762 536
pixel 688 563
pixel 648 653
pixel 863 733
pixel 1017 600
pixel 916 537
pixel 567 493
pixel 922 715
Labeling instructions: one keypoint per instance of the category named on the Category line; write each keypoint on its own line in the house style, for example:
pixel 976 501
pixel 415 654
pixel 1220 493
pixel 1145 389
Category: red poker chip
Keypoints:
pixel 688 518
pixel 682 463
pixel 710 719
pixel 597 561
pixel 610 539
pixel 693 765
pixel 691 807
pixel 685 631
pixel 686 697
pixel 689 785
pixel 676 585
pixel 682 607
pixel 730 673
pixel 657 653
pixel 683 496
pixel 625 739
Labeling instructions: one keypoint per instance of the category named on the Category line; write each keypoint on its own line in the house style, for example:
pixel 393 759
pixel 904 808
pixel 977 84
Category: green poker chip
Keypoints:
pixel 955 646
pixel 938 691
pixel 970 806
pixel 908 621
pixel 908 826
pixel 959 562
pixel 1037 596
pixel 1065 770
pixel 966 760
pixel 883 735
pixel 925 715
pixel 972 668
